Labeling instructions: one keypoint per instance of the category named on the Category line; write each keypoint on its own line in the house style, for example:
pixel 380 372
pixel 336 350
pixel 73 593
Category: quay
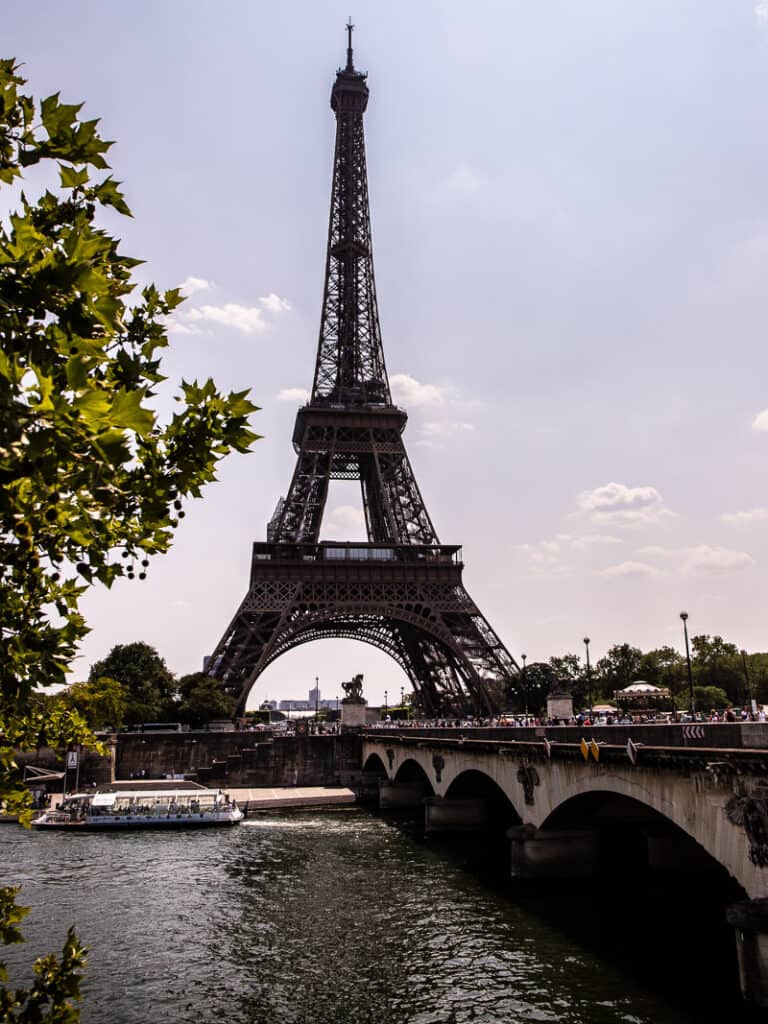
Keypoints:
pixel 252 800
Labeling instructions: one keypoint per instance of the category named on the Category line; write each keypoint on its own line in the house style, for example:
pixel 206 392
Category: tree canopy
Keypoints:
pixel 148 684
pixel 93 483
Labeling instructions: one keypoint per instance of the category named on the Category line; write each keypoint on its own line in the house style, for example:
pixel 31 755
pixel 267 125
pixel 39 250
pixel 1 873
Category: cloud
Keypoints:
pixel 194 284
pixel 293 395
pixel 591 540
pixel 345 522
pixel 617 505
pixel 411 393
pixel 173 326
pixel 760 422
pixel 449 428
pixel 761 10
pixel 639 570
pixel 753 515
pixel 248 319
pixel 545 559
pixel 703 559
pixel 274 304
pixel 548 558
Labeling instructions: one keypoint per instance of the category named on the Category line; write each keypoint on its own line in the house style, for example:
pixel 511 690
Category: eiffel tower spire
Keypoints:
pixel 402 590
pixel 350 359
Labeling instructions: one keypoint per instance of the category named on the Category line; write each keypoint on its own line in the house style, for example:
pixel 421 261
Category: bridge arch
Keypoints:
pixel 411 771
pixel 474 784
pixel 678 825
pixel 375 766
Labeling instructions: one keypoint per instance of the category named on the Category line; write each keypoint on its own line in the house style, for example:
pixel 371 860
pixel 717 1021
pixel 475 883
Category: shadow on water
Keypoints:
pixel 666 930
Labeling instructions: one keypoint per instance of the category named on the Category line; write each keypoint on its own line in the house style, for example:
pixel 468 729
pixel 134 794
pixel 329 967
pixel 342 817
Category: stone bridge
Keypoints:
pixel 576 802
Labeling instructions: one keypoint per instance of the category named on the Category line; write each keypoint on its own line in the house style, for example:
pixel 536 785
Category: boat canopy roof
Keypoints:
pixel 108 799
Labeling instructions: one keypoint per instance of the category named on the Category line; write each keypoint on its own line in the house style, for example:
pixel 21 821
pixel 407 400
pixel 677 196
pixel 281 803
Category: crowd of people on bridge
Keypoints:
pixel 583 718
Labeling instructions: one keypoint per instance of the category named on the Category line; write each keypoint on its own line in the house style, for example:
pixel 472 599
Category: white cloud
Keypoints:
pixel 173 326
pixel 760 422
pixel 591 540
pixel 753 515
pixel 293 395
pixel 248 319
pixel 411 393
pixel 545 559
pixel 449 428
pixel 761 10
pixel 345 522
pixel 194 284
pixel 703 559
pixel 617 505
pixel 274 304
pixel 548 558
pixel 630 569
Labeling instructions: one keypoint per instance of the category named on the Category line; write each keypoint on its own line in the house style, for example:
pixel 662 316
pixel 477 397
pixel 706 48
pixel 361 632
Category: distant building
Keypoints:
pixel 314 696
pixel 306 705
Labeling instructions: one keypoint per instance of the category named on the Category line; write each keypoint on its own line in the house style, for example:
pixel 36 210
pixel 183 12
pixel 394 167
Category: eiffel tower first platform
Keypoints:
pixel 402 590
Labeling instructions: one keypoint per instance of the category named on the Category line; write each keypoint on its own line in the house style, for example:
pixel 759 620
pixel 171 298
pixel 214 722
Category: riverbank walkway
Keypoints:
pixel 250 801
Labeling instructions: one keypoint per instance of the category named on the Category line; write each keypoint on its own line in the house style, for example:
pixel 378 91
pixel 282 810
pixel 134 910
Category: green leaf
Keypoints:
pixel 109 195
pixel 77 372
pixel 72 178
pixel 127 411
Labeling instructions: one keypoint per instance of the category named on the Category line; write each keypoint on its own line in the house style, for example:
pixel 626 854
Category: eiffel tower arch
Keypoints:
pixel 402 590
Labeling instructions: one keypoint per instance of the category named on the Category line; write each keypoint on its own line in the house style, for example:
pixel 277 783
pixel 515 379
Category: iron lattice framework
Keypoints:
pixel 402 590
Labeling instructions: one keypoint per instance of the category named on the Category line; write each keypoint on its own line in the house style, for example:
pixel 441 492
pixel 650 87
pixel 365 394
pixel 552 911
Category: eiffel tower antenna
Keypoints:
pixel 350 27
pixel 401 590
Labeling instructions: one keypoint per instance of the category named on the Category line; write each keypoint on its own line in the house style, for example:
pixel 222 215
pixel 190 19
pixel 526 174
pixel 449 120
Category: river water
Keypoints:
pixel 333 917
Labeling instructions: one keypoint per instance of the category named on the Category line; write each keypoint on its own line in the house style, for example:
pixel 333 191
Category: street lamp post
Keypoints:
pixel 589 677
pixel 691 701
pixel 402 701
pixel 317 700
pixel 525 685
pixel 748 688
pixel 386 705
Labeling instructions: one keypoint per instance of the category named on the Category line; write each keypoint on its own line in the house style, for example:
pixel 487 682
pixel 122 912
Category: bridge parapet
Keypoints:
pixel 720 735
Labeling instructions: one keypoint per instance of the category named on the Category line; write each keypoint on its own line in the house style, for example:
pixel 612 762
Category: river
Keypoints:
pixel 335 916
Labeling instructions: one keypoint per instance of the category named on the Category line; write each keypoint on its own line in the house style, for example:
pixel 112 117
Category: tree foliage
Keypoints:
pixel 148 683
pixel 91 482
pixel 103 702
pixel 202 700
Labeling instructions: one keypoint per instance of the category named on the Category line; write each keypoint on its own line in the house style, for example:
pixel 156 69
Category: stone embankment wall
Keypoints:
pixel 93 767
pixel 242 758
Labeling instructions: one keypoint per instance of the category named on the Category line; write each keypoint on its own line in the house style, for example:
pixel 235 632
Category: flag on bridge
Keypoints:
pixel 632 751
pixel 595 749
pixel 584 748
pixel 547 747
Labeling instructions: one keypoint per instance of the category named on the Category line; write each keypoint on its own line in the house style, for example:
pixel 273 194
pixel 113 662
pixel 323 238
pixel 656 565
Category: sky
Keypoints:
pixel 570 226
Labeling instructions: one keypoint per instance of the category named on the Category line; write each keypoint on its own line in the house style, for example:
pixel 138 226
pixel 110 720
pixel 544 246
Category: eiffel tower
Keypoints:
pixel 402 590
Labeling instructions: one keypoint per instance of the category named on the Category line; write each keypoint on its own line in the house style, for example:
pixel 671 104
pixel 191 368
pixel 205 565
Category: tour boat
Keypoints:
pixel 142 808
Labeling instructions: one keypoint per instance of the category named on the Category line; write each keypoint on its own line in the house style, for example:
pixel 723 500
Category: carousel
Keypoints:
pixel 642 698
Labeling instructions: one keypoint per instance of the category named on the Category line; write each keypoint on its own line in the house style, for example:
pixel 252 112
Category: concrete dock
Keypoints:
pixel 251 800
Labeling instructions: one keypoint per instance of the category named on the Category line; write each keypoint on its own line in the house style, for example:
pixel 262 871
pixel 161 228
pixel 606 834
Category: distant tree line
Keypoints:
pixel 133 684
pixel 723 675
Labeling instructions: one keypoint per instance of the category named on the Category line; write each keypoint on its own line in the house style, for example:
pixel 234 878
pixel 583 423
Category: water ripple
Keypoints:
pixel 330 919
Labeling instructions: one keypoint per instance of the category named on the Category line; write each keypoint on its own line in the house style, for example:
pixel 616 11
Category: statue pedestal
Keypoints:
pixel 353 715
pixel 560 706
